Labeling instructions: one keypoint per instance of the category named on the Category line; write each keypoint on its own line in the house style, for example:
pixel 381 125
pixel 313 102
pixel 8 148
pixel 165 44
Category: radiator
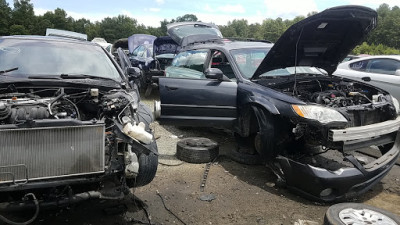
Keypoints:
pixel 51 152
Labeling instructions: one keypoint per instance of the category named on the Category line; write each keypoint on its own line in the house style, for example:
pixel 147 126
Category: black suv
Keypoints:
pixel 283 98
pixel 71 125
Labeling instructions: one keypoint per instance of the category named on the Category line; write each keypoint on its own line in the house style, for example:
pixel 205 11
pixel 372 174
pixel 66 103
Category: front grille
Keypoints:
pixel 51 152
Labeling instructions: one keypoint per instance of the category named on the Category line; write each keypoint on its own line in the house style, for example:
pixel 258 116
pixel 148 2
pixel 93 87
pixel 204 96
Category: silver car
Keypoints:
pixel 381 71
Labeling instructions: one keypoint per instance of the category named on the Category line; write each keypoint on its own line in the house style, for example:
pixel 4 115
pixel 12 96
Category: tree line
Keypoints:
pixel 20 20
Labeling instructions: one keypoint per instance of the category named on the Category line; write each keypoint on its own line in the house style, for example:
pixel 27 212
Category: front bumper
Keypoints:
pixel 324 185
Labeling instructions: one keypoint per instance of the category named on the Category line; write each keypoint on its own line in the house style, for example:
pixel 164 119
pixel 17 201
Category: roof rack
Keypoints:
pixel 248 39
pixel 66 34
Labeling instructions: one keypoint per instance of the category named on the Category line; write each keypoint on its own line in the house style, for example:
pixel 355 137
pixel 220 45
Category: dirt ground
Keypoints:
pixel 243 194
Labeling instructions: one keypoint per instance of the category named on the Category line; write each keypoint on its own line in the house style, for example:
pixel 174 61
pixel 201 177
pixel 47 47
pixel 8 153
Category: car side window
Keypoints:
pixel 359 66
pixel 220 61
pixel 135 52
pixel 383 66
pixel 188 64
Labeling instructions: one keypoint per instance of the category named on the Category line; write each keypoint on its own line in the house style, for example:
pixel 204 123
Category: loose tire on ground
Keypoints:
pixel 197 150
pixel 244 158
pixel 357 213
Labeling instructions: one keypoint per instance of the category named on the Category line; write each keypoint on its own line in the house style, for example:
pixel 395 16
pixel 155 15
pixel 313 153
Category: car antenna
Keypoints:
pixel 295 63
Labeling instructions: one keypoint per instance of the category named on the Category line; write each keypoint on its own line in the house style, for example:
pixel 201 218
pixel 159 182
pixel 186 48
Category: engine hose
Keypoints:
pixel 5 220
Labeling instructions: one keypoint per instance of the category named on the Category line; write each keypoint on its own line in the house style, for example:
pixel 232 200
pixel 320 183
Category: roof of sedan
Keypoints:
pixel 230 45
pixel 47 38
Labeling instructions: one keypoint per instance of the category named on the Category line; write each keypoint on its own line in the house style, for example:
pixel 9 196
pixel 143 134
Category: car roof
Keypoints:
pixel 229 45
pixel 48 38
pixel 397 57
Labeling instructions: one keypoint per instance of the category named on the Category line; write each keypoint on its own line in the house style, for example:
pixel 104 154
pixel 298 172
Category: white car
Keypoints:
pixel 381 71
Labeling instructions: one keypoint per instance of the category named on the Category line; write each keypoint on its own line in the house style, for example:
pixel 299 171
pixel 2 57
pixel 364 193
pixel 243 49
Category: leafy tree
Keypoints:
pixel 23 15
pixel 186 18
pixel 5 17
pixel 18 30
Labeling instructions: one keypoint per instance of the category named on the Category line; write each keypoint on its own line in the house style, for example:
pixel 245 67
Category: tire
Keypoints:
pixel 147 163
pixel 147 168
pixel 345 213
pixel 197 150
pixel 243 158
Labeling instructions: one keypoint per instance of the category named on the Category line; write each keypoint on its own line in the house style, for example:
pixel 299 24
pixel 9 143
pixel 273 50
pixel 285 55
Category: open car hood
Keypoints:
pixel 322 40
pixel 165 45
pixel 185 33
pixel 139 39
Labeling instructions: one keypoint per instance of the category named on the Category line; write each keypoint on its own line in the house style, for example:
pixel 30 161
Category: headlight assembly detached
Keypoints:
pixel 322 114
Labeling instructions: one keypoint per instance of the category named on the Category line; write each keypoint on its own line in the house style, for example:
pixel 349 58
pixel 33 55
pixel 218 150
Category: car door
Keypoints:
pixel 188 98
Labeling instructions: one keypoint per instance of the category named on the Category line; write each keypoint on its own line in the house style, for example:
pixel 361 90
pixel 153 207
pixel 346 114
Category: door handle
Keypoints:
pixel 171 88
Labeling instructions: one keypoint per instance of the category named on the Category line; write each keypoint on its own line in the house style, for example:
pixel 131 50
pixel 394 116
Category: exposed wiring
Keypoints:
pixel 162 200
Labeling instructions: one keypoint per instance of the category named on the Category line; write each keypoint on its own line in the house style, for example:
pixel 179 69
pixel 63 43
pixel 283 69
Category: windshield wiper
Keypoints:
pixel 81 76
pixel 9 70
pixel 69 76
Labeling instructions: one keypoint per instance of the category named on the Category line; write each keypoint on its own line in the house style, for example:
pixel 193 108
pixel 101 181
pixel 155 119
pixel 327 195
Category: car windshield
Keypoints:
pixel 49 58
pixel 249 59
pixel 293 70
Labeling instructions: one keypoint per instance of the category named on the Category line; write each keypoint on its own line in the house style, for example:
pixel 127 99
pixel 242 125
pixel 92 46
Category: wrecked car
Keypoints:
pixel 152 59
pixel 284 99
pixel 72 127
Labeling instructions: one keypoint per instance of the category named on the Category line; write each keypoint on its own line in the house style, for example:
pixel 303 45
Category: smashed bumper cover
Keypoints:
pixel 324 185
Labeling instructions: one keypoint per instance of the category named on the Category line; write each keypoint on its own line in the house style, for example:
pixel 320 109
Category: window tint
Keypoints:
pixel 359 66
pixel 384 66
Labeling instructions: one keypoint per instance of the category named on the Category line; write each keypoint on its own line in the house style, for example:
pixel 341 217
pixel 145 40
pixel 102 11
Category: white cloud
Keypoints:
pixel 288 9
pixel 160 2
pixel 154 9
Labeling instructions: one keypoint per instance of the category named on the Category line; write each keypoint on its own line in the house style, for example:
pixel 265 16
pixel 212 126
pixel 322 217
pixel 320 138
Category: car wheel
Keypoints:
pixel 197 150
pixel 245 158
pixel 356 213
pixel 147 168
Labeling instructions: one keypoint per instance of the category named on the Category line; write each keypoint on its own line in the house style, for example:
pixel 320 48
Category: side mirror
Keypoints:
pixel 368 79
pixel 133 72
pixel 214 73
pixel 397 73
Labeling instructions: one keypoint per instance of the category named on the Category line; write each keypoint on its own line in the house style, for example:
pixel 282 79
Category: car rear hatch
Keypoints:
pixel 139 39
pixel 186 33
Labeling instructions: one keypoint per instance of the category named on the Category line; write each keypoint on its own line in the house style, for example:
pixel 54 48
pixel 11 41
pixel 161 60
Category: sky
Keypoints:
pixel 151 12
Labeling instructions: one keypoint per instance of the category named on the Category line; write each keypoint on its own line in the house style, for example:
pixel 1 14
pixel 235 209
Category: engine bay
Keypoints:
pixel 329 92
pixel 61 103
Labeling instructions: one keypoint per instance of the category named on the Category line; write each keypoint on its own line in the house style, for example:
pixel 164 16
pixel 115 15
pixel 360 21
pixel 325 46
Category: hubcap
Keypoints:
pixel 352 216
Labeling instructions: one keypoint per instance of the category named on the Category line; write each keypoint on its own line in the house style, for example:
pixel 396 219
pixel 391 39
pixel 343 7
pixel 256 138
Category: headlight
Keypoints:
pixel 322 114
pixel 396 104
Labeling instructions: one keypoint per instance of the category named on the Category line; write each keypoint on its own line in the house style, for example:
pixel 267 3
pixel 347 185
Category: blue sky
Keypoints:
pixel 151 12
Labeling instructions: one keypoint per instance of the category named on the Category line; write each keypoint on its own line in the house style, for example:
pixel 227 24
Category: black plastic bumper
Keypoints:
pixel 324 185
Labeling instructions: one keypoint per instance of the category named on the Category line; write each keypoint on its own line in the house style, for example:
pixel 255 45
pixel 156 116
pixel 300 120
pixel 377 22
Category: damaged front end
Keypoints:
pixel 68 144
pixel 338 121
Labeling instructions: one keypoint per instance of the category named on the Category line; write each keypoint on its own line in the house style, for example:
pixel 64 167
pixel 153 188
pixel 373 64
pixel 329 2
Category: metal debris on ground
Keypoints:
pixel 205 175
